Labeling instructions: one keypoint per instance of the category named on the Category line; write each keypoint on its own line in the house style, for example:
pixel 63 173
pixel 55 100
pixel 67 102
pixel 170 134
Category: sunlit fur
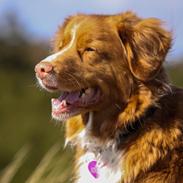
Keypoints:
pixel 125 61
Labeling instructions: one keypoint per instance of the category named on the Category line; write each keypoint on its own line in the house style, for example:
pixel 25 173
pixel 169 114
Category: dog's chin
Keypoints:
pixel 72 103
pixel 64 116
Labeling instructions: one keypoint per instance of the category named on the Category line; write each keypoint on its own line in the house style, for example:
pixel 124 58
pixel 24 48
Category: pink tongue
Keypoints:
pixel 61 104
pixel 70 97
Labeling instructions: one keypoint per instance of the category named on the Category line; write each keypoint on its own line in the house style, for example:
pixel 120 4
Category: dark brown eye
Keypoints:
pixel 90 49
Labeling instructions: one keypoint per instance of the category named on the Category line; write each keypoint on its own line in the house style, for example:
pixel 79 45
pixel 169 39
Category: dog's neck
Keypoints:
pixel 103 122
pixel 106 123
pixel 122 134
pixel 131 129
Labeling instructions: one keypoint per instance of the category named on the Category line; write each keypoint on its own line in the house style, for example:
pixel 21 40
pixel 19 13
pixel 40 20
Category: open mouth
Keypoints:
pixel 72 103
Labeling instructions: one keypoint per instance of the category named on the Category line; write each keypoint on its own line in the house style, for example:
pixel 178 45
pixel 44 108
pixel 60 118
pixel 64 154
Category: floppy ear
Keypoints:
pixel 146 44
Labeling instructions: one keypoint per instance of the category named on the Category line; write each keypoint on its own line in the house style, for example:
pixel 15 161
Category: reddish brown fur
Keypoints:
pixel 127 65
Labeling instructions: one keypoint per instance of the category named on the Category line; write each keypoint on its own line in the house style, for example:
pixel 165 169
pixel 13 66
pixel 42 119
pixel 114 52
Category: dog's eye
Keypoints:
pixel 87 53
pixel 89 49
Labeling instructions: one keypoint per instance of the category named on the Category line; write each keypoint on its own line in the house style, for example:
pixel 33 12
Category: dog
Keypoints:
pixel 120 110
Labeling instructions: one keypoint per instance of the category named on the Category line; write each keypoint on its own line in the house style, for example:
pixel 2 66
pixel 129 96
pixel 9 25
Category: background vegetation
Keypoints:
pixel 31 144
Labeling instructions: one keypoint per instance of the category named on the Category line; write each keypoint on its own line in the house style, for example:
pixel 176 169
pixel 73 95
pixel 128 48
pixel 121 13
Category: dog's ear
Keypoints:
pixel 146 44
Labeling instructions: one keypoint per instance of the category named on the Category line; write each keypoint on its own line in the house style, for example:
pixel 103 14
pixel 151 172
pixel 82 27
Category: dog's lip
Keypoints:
pixel 48 84
pixel 52 88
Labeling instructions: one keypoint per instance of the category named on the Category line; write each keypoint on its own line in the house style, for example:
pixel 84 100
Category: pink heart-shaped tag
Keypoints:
pixel 92 167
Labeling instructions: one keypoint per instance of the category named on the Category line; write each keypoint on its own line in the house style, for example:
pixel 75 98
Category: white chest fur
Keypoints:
pixel 108 161
pixel 106 173
pixel 101 162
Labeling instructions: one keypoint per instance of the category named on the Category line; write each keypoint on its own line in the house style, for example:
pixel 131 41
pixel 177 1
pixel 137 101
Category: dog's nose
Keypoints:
pixel 42 69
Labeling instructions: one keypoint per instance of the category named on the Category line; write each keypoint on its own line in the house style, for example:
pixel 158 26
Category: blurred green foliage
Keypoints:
pixel 25 110
pixel 176 73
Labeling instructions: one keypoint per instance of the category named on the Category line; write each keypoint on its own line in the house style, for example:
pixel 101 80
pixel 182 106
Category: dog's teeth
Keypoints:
pixel 83 95
pixel 82 92
pixel 64 103
pixel 88 91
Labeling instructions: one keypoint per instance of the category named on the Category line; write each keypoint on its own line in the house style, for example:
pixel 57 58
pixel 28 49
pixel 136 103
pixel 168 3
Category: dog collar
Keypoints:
pixel 132 127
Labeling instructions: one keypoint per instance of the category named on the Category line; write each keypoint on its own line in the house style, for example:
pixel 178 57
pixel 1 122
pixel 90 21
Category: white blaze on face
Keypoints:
pixel 54 56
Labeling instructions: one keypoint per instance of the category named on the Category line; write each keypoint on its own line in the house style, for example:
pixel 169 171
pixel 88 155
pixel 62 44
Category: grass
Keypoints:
pixel 25 119
pixel 10 171
pixel 47 171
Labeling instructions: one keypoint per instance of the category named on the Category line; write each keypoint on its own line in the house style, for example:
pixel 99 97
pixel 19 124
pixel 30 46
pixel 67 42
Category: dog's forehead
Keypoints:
pixel 92 30
pixel 88 24
pixel 85 29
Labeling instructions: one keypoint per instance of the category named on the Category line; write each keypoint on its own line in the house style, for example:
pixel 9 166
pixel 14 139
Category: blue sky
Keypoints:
pixel 42 17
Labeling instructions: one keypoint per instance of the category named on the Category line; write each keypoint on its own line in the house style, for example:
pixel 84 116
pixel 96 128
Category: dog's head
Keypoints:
pixel 99 62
